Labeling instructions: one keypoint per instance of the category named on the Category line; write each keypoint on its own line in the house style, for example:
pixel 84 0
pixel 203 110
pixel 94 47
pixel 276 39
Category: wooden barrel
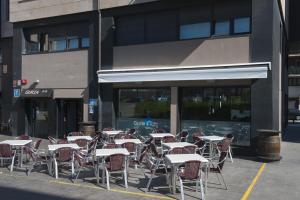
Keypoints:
pixel 88 130
pixel 268 146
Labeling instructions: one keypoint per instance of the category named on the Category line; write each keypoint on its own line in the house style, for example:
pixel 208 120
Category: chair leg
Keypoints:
pixel 197 185
pixel 79 170
pixel 125 178
pixel 230 154
pixel 202 190
pixel 149 182
pixel 12 164
pixel 223 181
pixel 181 189
pixel 56 169
pixel 107 179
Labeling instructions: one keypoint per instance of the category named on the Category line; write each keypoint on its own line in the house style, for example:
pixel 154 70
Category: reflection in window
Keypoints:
pixel 242 25
pixel 199 30
pixel 85 42
pixel 58 44
pixel 222 28
pixel 218 111
pixel 73 43
pixel 143 109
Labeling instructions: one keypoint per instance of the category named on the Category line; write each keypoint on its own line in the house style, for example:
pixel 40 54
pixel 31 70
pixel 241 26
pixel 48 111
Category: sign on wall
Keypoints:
pixel 17 93
pixel 37 93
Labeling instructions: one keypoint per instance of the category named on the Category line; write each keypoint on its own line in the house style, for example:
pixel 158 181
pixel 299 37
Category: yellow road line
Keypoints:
pixel 254 181
pixel 116 191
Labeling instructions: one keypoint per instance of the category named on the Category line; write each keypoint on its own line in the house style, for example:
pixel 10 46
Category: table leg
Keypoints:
pixel 56 170
pixel 173 180
pixel 97 171
pixel 103 171
pixel 21 158
pixel 206 176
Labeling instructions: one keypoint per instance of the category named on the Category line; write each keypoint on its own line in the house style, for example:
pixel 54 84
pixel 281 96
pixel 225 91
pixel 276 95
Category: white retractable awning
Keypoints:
pixel 217 72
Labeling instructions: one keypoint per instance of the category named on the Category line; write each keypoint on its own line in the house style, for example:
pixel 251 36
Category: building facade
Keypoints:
pixel 294 60
pixel 5 67
pixel 218 66
pixel 55 48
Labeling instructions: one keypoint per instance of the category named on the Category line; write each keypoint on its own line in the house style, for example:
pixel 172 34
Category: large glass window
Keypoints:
pixel 222 28
pixel 58 44
pixel 218 111
pixel 143 109
pixel 242 25
pixel 73 43
pixel 199 30
pixel 85 42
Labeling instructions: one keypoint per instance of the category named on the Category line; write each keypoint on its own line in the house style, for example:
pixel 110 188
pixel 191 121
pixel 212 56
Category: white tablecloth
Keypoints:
pixel 182 158
pixel 122 141
pixel 111 133
pixel 212 138
pixel 73 138
pixel 16 142
pixel 53 147
pixel 160 135
pixel 108 152
pixel 173 145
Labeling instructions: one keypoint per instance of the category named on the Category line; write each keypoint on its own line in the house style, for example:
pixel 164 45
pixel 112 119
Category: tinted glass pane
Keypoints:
pixel 58 44
pixel 144 109
pixel 1 56
pixel 242 25
pixel 222 28
pixel 218 111
pixel 130 30
pixel 73 43
pixel 161 27
pixel 85 42
pixel 199 30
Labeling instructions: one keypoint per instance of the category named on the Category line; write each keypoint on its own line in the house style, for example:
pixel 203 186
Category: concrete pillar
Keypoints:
pixel 174 111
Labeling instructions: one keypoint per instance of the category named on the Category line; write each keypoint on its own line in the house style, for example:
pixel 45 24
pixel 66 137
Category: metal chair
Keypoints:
pixel 52 140
pixel 110 146
pixel 82 162
pixel 168 139
pixel 38 159
pixel 189 149
pixel 191 173
pixel 115 164
pixel 83 143
pixel 23 137
pixel 6 153
pixel 176 150
pixel 64 155
pixel 183 136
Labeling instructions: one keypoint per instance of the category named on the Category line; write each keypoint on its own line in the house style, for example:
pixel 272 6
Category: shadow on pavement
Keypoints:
pixel 17 194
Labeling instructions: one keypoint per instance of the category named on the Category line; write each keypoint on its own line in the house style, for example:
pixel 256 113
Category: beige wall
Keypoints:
pixel 184 53
pixel 23 11
pixel 104 4
pixel 56 70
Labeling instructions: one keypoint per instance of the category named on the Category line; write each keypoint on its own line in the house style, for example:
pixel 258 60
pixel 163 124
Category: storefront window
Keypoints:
pixel 217 111
pixel 143 109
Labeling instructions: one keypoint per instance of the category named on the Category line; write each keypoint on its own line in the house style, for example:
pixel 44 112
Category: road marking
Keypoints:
pixel 116 191
pixel 254 181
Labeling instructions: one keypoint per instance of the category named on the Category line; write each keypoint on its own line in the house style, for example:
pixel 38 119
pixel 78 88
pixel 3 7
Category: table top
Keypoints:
pixel 16 142
pixel 172 145
pixel 112 132
pixel 53 147
pixel 122 141
pixel 73 138
pixel 160 135
pixel 212 138
pixel 182 158
pixel 108 152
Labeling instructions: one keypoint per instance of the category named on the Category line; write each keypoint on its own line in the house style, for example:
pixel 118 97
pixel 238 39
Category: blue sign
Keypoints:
pixel 148 121
pixel 92 104
pixel 17 93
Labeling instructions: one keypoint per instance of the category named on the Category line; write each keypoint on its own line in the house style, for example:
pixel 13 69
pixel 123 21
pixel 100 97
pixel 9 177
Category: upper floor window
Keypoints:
pixel 57 38
pixel 190 31
pixel 222 28
pixel 242 25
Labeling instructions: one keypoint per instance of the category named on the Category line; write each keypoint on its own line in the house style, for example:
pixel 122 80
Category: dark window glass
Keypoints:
pixel 218 111
pixel 73 43
pixel 242 25
pixel 85 42
pixel 130 30
pixel 161 27
pixel 200 30
pixel 143 109
pixel 32 43
pixel 58 44
pixel 1 57
pixel 222 28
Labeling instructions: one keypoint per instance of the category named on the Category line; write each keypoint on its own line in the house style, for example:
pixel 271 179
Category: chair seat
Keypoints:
pixel 214 170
